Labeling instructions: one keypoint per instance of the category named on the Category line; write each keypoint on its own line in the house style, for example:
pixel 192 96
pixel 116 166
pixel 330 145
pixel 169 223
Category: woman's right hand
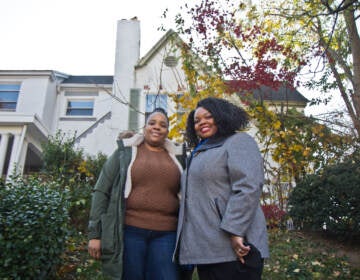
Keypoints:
pixel 237 242
pixel 94 248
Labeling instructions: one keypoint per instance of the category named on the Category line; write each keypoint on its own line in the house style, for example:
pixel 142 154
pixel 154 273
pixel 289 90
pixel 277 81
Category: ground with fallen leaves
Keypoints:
pixel 294 255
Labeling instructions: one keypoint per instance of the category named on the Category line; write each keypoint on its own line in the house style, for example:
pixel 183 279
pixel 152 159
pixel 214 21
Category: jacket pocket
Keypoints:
pixel 218 208
pixel 107 234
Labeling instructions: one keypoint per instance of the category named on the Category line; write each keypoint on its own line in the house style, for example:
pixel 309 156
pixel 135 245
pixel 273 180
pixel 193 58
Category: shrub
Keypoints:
pixel 81 187
pixel 59 155
pixel 33 229
pixel 274 215
pixel 330 200
pixel 73 172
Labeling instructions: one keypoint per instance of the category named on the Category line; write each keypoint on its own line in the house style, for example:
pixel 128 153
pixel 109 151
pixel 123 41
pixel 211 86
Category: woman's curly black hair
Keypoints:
pixel 228 118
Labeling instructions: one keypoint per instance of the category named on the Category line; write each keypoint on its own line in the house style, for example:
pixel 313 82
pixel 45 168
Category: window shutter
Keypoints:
pixel 134 108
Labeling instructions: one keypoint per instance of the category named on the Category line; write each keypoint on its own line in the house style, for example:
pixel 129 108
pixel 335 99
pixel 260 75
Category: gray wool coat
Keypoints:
pixel 220 193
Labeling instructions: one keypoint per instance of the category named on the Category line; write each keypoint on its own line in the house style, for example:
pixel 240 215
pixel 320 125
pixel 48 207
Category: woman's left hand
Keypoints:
pixel 240 249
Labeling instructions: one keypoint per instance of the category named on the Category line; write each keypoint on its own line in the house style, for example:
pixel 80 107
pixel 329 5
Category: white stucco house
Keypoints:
pixel 35 104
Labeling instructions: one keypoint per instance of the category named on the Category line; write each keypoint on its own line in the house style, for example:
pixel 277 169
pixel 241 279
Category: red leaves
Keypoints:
pixel 266 46
pixel 243 52
pixel 273 215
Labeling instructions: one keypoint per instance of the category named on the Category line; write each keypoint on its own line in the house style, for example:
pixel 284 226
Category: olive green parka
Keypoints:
pixel 108 204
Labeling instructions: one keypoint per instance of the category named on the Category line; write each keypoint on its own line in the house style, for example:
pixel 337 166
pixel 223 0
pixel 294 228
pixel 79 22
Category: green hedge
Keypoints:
pixel 33 229
pixel 329 201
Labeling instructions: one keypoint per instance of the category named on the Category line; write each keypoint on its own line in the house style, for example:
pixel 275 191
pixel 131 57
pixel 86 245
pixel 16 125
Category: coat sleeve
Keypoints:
pixel 101 194
pixel 246 176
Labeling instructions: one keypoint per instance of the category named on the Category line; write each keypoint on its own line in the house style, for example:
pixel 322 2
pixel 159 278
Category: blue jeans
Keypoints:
pixel 148 254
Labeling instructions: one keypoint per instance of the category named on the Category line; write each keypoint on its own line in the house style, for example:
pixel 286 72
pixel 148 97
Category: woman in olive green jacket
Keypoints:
pixel 107 215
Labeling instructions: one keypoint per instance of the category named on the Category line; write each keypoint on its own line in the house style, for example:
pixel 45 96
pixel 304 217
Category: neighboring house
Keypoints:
pixel 36 104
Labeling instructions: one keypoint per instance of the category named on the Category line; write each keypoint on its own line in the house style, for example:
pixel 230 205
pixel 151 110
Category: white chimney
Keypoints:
pixel 127 55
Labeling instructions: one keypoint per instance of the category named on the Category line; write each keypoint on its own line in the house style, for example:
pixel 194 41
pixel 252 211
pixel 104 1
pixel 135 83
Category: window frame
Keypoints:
pixel 159 100
pixel 9 88
pixel 79 109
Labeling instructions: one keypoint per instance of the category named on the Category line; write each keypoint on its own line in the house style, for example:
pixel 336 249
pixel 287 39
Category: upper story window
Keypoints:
pixel 155 101
pixel 9 94
pixel 80 107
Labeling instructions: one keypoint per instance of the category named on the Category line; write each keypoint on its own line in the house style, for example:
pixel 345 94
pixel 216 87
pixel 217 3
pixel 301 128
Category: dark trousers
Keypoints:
pixel 186 274
pixel 228 271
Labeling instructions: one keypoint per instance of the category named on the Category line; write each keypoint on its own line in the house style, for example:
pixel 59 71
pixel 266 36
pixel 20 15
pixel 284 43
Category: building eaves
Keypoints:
pixel 97 80
pixel 34 73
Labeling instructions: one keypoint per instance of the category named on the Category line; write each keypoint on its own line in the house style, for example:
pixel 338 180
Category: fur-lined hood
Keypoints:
pixel 131 140
pixel 134 140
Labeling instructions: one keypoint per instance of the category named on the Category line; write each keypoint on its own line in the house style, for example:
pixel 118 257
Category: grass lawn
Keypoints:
pixel 294 255
pixel 299 255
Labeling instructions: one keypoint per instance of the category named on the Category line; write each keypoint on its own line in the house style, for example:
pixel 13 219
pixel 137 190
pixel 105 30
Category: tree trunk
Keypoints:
pixel 354 41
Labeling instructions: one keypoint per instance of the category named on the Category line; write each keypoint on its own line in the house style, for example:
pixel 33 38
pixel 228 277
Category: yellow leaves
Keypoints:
pixel 260 109
pixel 82 168
pixel 242 6
pixel 282 134
pixel 296 148
pixel 317 275
pixel 270 24
pixel 306 151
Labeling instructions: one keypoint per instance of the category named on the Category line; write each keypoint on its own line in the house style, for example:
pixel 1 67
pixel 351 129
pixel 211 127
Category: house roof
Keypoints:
pixel 89 80
pixel 266 93
pixel 281 94
pixel 169 35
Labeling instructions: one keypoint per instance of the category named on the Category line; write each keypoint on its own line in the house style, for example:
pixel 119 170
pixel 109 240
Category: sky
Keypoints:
pixel 76 37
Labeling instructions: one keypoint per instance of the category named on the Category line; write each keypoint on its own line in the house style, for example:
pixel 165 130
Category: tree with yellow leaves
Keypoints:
pixel 326 34
pixel 238 58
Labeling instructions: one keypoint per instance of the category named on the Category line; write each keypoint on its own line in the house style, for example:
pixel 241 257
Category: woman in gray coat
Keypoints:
pixel 221 226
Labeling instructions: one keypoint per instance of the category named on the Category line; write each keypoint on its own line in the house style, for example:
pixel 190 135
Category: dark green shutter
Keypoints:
pixel 134 109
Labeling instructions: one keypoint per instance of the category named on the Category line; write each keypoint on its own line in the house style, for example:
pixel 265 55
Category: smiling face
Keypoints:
pixel 204 123
pixel 156 130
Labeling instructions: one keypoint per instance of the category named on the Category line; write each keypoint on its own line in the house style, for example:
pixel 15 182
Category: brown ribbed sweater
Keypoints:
pixel 153 202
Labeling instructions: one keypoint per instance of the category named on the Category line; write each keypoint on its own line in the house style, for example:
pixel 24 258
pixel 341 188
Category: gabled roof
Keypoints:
pixel 104 80
pixel 282 94
pixel 169 35
pixel 266 93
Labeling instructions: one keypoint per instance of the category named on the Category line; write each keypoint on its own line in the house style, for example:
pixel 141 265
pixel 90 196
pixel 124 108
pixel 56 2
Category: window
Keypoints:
pixel 80 108
pixel 179 109
pixel 155 101
pixel 8 97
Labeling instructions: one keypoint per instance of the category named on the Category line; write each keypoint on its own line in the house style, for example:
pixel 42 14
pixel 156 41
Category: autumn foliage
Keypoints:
pixel 274 215
pixel 230 54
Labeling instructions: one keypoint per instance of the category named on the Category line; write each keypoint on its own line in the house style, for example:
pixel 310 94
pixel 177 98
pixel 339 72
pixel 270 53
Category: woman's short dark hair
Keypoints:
pixel 227 116
pixel 158 110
